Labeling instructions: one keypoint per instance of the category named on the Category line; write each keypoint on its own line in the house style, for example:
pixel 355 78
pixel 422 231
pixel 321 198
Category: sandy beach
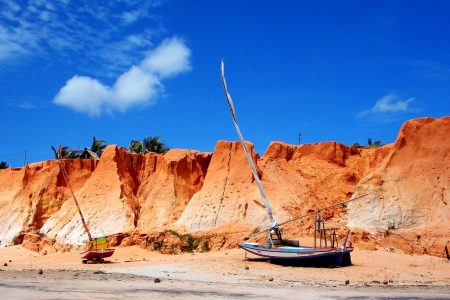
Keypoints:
pixel 133 271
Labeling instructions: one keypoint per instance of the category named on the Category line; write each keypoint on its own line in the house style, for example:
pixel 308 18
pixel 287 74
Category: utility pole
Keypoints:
pixel 299 137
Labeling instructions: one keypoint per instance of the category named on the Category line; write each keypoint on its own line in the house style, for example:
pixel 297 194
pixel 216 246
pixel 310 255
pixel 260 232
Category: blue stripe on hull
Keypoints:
pixel 285 249
pixel 301 255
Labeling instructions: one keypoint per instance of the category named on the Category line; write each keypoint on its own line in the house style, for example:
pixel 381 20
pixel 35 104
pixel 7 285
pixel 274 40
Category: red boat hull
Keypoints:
pixel 96 255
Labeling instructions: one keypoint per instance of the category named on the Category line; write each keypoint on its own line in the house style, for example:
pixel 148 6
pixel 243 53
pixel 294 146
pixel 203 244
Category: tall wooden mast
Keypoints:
pixel 66 179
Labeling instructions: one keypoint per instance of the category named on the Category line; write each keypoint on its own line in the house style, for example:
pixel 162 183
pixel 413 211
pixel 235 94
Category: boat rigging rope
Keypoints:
pixel 308 215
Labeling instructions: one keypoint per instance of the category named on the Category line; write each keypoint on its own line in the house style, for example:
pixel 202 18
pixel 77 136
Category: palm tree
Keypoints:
pixel 137 147
pixel 66 153
pixel 95 151
pixel 373 145
pixel 154 144
pixel 149 144
pixel 3 165
pixel 98 146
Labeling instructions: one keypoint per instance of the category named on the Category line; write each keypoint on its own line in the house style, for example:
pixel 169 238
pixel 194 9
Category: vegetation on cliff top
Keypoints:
pixel 148 144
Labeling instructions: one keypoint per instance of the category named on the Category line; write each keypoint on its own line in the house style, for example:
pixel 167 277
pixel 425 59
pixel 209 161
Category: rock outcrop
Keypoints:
pixel 128 191
pixel 169 181
pixel 30 195
pixel 409 192
pixel 229 194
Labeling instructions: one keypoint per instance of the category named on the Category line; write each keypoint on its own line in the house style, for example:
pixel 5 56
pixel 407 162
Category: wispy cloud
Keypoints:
pixel 388 105
pixel 97 31
pixel 139 85
pixel 132 16
pixel 430 69
pixel 27 105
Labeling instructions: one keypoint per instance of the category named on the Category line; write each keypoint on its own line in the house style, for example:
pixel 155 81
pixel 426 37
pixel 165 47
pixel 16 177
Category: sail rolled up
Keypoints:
pixel 273 223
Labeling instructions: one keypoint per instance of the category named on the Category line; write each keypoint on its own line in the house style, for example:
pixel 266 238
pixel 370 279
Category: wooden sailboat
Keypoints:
pixel 279 250
pixel 325 252
pixel 97 247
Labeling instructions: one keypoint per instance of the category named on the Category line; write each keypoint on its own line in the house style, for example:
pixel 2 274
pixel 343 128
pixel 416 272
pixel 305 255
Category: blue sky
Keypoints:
pixel 343 71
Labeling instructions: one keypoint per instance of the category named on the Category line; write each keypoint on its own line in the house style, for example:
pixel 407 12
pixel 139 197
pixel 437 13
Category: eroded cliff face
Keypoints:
pixel 296 180
pixel 409 191
pixel 229 193
pixel 127 192
pixel 107 200
pixel 300 179
pixel 199 192
pixel 169 182
pixel 29 196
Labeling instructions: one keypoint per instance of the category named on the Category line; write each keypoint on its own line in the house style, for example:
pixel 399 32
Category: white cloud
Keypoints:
pixel 84 94
pixel 169 59
pixel 139 85
pixel 389 104
pixel 135 86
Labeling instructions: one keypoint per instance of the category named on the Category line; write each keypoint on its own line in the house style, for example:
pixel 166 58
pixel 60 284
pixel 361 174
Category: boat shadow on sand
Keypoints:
pixel 297 264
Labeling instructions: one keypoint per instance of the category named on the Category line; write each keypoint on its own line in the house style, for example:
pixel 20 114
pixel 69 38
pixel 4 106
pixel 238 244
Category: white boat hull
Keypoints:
pixel 301 255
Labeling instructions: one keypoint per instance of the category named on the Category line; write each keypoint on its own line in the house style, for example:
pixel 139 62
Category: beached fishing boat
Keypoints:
pixel 97 247
pixel 96 255
pixel 98 251
pixel 326 250
pixel 301 255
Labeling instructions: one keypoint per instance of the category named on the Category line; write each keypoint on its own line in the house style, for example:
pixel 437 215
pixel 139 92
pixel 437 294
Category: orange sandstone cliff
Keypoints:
pixel 29 196
pixel 409 192
pixel 190 191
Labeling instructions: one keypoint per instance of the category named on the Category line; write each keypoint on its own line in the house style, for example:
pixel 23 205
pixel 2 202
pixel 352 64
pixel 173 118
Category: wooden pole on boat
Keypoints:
pixel 315 232
pixel 346 239
pixel 66 179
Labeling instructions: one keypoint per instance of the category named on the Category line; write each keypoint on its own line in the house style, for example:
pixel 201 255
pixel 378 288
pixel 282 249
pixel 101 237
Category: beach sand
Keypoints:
pixel 131 272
